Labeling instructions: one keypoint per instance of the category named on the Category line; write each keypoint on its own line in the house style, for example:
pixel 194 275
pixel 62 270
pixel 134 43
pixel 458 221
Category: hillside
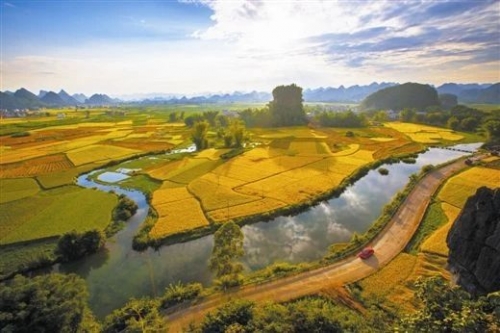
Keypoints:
pixel 408 95
pixel 53 99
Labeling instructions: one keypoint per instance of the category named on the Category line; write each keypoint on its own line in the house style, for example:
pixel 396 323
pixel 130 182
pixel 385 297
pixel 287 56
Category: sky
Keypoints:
pixel 201 46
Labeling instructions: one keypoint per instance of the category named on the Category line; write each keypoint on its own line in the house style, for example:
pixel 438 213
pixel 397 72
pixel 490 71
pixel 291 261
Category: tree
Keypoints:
pixel 232 313
pixel 380 116
pixel 407 115
pixel 138 315
pixel 286 107
pixel 46 303
pixel 199 135
pixel 237 130
pixel 469 124
pixel 453 123
pixel 445 309
pixel 228 247
pixel 125 209
pixel 493 128
pixel 210 116
pixel 172 117
pixel 74 245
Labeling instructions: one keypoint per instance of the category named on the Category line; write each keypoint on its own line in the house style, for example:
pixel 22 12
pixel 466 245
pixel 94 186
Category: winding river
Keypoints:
pixel 119 273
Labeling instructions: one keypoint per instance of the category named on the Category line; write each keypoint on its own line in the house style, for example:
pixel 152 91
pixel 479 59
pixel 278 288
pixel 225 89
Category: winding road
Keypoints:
pixel 388 244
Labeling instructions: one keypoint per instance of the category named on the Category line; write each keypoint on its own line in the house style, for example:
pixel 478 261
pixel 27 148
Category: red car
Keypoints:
pixel 366 253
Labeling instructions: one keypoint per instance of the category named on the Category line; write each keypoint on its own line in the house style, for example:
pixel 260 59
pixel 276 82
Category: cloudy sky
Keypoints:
pixel 199 46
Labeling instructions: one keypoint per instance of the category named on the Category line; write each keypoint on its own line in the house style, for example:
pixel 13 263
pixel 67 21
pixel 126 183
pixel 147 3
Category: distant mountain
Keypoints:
pixel 473 93
pixel 490 95
pixel 68 100
pixel 42 93
pixel 341 94
pixel 27 99
pixel 53 99
pixel 236 97
pixel 9 102
pixel 79 97
pixel 408 95
pixel 100 99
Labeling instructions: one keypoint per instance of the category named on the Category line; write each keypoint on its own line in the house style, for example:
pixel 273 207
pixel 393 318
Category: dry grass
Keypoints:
pixel 178 216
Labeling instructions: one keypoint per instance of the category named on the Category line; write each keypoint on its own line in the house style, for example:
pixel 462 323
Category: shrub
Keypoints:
pixel 383 171
pixel 178 293
pixel 74 245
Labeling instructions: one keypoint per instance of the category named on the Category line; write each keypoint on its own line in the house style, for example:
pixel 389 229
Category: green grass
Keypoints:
pixel 54 212
pixel 433 219
pixel 19 257
pixel 17 188
pixel 143 183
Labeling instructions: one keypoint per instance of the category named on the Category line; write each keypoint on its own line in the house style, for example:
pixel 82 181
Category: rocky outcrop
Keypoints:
pixel 474 243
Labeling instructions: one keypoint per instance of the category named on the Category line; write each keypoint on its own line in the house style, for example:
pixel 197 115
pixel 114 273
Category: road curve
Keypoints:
pixel 388 244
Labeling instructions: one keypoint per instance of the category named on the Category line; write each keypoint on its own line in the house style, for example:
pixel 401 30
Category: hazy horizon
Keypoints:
pixel 204 47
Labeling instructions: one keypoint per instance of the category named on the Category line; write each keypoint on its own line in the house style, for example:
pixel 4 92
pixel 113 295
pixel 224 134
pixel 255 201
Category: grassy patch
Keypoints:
pixel 18 188
pixel 143 183
pixel 433 219
pixel 54 212
pixel 21 257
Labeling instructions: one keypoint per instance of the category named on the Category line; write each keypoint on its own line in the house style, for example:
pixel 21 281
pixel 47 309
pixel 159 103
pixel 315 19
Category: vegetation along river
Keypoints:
pixel 120 273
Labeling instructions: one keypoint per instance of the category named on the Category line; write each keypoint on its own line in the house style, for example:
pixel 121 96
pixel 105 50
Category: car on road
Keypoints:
pixel 366 253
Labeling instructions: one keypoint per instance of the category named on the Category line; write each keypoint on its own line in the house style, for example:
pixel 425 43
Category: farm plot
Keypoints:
pixel 18 188
pixel 55 212
pixel 98 153
pixel 215 196
pixel 458 188
pixel 184 171
pixel 178 216
pixel 425 134
pixel 37 166
pixel 166 195
pixel 248 209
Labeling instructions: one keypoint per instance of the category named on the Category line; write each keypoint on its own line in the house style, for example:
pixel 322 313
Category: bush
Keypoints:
pixel 178 293
pixel 74 245
pixel 136 315
pixel 125 209
pixel 383 171
pixel 349 134
pixel 409 160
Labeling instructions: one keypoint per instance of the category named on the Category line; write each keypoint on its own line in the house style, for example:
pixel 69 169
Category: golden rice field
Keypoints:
pixel 166 195
pixel 17 188
pixel 37 166
pixel 424 133
pixel 251 208
pixel 178 216
pixel 458 188
pixel 436 243
pixel 98 153
pixel 392 275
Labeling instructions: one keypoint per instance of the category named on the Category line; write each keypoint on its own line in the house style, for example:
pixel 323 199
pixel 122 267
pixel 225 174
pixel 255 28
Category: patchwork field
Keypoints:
pixel 54 212
pixel 18 188
pixel 460 187
pixel 425 134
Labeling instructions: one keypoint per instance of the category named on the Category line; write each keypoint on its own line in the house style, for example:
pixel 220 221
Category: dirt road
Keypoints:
pixel 388 244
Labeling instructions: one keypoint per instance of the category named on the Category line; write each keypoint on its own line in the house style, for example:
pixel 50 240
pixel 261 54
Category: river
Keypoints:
pixel 119 273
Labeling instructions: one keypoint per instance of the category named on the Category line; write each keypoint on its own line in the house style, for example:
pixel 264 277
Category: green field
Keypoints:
pixel 54 212
pixel 17 188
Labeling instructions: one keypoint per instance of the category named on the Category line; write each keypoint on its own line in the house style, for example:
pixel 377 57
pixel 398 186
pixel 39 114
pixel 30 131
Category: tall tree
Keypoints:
pixel 228 247
pixel 199 135
pixel 286 107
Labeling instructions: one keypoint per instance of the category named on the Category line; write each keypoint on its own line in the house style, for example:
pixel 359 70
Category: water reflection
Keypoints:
pixel 121 273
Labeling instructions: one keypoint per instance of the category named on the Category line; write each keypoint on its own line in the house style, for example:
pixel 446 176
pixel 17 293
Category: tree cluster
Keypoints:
pixel 75 245
pixel 46 303
pixel 125 209
pixel 347 119
pixel 286 108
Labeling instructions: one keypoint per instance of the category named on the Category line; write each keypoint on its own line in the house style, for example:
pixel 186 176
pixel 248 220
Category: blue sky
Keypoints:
pixel 199 46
